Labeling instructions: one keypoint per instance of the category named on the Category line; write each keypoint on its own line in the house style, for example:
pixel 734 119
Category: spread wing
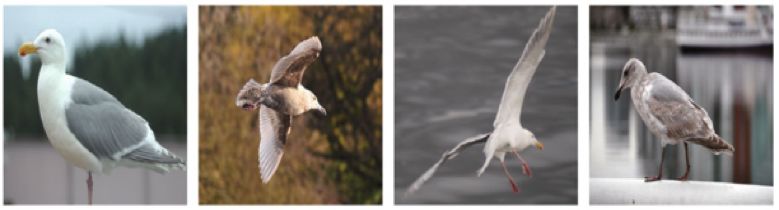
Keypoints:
pixel 516 86
pixel 448 155
pixel 274 127
pixel 289 70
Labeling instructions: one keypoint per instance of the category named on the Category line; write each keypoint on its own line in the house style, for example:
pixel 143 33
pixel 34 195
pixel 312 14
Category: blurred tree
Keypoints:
pixel 149 78
pixel 336 159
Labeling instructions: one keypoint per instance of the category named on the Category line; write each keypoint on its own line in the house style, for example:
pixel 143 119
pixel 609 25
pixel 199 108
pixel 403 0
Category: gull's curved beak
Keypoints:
pixel 539 145
pixel 321 111
pixel 27 48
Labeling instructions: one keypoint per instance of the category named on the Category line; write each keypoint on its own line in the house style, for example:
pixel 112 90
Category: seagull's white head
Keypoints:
pixel 49 45
pixel 533 140
pixel 633 71
pixel 313 103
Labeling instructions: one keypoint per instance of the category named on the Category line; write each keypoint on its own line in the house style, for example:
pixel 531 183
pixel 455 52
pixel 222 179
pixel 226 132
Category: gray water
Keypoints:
pixel 735 87
pixel 451 65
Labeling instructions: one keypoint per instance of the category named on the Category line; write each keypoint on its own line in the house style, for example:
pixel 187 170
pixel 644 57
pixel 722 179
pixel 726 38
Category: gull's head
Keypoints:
pixel 313 103
pixel 248 97
pixel 529 139
pixel 536 143
pixel 633 71
pixel 49 45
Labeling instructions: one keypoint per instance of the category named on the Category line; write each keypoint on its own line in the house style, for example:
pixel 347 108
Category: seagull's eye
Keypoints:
pixel 48 40
pixel 626 73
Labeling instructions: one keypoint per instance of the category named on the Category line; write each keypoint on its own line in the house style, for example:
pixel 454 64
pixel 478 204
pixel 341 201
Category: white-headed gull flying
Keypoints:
pixel 508 134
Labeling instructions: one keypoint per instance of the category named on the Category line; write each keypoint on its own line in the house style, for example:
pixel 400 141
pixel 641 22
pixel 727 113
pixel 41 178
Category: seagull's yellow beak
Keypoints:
pixel 27 48
pixel 539 145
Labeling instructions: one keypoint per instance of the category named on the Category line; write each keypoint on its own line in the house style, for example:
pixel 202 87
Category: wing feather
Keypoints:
pixel 516 86
pixel 274 127
pixel 289 70
pixel 448 155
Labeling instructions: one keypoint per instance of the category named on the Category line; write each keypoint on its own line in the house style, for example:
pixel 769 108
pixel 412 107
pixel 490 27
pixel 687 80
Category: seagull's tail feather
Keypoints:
pixel 448 155
pixel 715 144
pixel 155 157
pixel 249 96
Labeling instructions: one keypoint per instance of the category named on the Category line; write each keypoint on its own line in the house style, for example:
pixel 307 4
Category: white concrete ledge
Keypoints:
pixel 636 191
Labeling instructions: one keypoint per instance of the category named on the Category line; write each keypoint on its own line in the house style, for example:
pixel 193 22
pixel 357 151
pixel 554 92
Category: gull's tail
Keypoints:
pixel 715 144
pixel 249 96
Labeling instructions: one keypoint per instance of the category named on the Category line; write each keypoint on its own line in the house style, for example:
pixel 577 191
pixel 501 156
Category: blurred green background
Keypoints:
pixel 336 159
pixel 149 78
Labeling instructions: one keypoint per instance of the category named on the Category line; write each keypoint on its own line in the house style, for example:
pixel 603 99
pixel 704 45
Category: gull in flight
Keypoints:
pixel 88 126
pixel 669 113
pixel 508 135
pixel 279 101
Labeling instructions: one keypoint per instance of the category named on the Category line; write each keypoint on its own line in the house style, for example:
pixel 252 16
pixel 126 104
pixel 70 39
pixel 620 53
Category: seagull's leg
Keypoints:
pixel 660 174
pixel 511 180
pixel 525 167
pixel 89 188
pixel 687 157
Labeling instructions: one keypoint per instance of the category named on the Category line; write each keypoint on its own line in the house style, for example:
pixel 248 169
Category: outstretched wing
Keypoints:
pixel 514 93
pixel 448 155
pixel 274 127
pixel 289 70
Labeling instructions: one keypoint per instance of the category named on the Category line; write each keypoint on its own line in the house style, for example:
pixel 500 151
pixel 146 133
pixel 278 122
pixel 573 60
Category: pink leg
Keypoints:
pixel 511 180
pixel 525 167
pixel 89 188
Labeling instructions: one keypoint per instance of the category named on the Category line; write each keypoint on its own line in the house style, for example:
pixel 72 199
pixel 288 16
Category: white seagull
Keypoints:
pixel 87 125
pixel 279 101
pixel 669 113
pixel 508 134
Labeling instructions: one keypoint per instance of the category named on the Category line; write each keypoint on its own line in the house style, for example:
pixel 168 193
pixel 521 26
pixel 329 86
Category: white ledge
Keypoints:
pixel 636 191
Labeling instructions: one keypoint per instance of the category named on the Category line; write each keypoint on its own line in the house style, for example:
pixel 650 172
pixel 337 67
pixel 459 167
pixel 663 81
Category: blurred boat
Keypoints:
pixel 725 27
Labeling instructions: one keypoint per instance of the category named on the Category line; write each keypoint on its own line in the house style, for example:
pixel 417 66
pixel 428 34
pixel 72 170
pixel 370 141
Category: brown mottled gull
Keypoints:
pixel 669 113
pixel 279 101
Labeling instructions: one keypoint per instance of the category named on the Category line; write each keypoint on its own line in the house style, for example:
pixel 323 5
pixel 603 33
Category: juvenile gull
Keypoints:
pixel 508 134
pixel 669 113
pixel 87 125
pixel 279 101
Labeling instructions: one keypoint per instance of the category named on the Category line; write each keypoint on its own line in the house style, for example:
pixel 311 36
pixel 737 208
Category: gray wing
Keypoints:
pixel 103 125
pixel 289 70
pixel 514 93
pixel 274 128
pixel 679 114
pixel 448 155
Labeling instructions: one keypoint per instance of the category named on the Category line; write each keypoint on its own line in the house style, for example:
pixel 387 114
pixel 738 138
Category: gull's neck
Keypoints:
pixel 640 76
pixel 58 66
pixel 50 76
